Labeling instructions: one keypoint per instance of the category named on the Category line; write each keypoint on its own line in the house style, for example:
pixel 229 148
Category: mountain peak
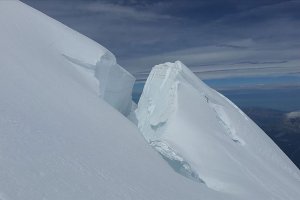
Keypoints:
pixel 204 136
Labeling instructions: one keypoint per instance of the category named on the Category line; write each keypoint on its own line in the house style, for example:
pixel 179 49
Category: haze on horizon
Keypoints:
pixel 254 40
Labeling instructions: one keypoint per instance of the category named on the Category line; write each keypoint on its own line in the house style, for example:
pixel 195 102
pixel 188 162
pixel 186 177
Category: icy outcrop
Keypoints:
pixel 204 136
pixel 175 160
pixel 99 70
pixel 115 83
pixel 59 140
pixel 158 100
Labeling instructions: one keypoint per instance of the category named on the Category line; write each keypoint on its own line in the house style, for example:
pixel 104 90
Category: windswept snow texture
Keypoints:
pixel 26 35
pixel 200 128
pixel 58 139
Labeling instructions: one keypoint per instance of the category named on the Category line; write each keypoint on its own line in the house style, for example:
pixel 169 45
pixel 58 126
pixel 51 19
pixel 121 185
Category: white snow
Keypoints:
pixel 58 139
pixel 188 121
pixel 115 83
pixel 31 37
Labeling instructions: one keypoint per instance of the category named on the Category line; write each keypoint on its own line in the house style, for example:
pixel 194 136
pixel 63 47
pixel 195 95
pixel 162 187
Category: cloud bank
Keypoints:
pixel 216 39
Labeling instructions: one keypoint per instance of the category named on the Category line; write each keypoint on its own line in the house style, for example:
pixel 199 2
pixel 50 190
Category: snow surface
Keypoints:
pixel 25 36
pixel 58 139
pixel 206 137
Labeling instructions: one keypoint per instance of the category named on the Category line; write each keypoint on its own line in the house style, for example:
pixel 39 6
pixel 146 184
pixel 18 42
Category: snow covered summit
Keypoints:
pixel 64 134
pixel 58 139
pixel 206 138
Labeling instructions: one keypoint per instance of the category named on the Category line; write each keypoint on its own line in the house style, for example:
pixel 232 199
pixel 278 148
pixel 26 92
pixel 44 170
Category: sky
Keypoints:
pixel 217 39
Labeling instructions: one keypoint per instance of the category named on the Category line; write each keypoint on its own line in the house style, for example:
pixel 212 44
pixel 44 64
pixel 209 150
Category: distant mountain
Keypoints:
pixel 292 121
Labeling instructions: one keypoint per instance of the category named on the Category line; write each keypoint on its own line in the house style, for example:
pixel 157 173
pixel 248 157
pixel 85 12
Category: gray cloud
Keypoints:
pixel 237 58
pixel 214 38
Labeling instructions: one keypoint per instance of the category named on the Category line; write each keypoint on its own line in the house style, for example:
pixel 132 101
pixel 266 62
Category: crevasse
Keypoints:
pixel 114 82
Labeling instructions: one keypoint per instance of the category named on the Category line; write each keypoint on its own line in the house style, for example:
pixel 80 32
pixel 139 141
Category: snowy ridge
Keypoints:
pixel 214 138
pixel 59 140
pixel 90 58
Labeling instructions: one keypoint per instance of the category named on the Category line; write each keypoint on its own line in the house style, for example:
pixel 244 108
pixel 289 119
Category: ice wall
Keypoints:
pixel 158 100
pixel 156 107
pixel 42 36
pixel 59 141
pixel 206 138
pixel 115 83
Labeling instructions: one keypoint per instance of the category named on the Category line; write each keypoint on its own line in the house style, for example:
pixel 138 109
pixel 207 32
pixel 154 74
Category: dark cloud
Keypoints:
pixel 228 37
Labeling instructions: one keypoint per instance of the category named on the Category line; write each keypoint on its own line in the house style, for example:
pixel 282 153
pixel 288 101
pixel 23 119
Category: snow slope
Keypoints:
pixel 25 36
pixel 206 138
pixel 58 139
